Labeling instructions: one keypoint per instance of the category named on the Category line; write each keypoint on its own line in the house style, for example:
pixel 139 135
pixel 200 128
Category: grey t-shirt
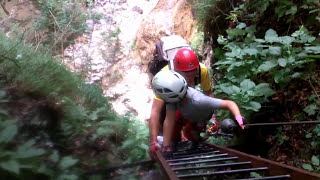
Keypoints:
pixel 198 107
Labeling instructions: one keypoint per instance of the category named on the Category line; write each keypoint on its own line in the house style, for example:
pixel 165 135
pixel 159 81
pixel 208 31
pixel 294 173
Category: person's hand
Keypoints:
pixel 154 147
pixel 241 121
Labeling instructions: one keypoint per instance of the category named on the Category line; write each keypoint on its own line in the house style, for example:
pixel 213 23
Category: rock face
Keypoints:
pixel 19 13
pixel 168 17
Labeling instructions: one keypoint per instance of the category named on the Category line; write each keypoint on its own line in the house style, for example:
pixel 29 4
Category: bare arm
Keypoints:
pixel 168 126
pixel 234 109
pixel 231 106
pixel 154 122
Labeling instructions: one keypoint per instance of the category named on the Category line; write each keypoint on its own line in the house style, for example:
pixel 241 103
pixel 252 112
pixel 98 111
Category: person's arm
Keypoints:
pixel 154 122
pixel 234 109
pixel 168 126
pixel 231 106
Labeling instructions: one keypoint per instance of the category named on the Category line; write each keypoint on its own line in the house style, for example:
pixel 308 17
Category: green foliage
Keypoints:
pixel 135 146
pixel 21 158
pixel 313 109
pixel 112 36
pixel 198 42
pixel 314 166
pixel 275 59
pixel 212 14
pixel 113 44
pixel 41 75
pixel 61 19
pixel 131 134
pixel 44 76
pixel 255 175
pixel 283 9
pixel 83 108
pixel 90 2
pixel 35 72
pixel 220 140
pixel 314 135
pixel 9 130
pixel 25 157
pixel 281 138
pixel 203 9
pixel 67 162
pixel 273 44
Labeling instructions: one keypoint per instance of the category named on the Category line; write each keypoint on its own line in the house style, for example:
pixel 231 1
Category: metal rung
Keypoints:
pixel 199 154
pixel 193 152
pixel 201 157
pixel 212 166
pixel 205 161
pixel 186 148
pixel 187 165
pixel 222 172
pixel 269 177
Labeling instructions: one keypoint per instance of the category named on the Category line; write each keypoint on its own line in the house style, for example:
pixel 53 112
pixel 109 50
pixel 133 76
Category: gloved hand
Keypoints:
pixel 167 152
pixel 154 146
pixel 241 121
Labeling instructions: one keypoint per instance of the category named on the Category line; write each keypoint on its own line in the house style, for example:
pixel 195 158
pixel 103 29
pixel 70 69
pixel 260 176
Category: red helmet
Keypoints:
pixel 186 60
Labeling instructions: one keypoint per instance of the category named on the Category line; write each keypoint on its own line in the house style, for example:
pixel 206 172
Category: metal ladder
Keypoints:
pixel 214 162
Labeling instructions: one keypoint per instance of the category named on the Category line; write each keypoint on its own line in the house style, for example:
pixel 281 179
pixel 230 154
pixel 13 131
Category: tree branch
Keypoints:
pixel 4 8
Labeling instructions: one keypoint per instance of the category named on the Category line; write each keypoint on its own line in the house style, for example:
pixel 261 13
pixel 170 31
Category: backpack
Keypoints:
pixel 165 50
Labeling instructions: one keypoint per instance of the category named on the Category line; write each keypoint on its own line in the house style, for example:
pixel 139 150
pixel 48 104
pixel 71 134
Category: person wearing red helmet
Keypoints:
pixel 187 64
pixel 186 60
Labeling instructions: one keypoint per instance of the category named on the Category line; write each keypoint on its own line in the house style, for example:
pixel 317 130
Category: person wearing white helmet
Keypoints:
pixel 194 106
pixel 187 64
pixel 170 86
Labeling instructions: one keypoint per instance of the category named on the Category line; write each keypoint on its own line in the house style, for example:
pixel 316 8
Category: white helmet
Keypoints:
pixel 169 86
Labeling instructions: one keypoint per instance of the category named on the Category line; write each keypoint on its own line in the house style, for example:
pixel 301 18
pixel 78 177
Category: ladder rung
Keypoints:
pixel 223 172
pixel 192 155
pixel 268 177
pixel 205 161
pixel 212 166
pixel 201 157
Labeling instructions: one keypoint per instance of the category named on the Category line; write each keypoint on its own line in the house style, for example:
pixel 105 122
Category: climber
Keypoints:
pixel 187 64
pixel 195 107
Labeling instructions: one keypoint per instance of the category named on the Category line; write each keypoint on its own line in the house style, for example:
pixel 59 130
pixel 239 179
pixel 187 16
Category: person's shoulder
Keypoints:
pixel 193 91
pixel 195 95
